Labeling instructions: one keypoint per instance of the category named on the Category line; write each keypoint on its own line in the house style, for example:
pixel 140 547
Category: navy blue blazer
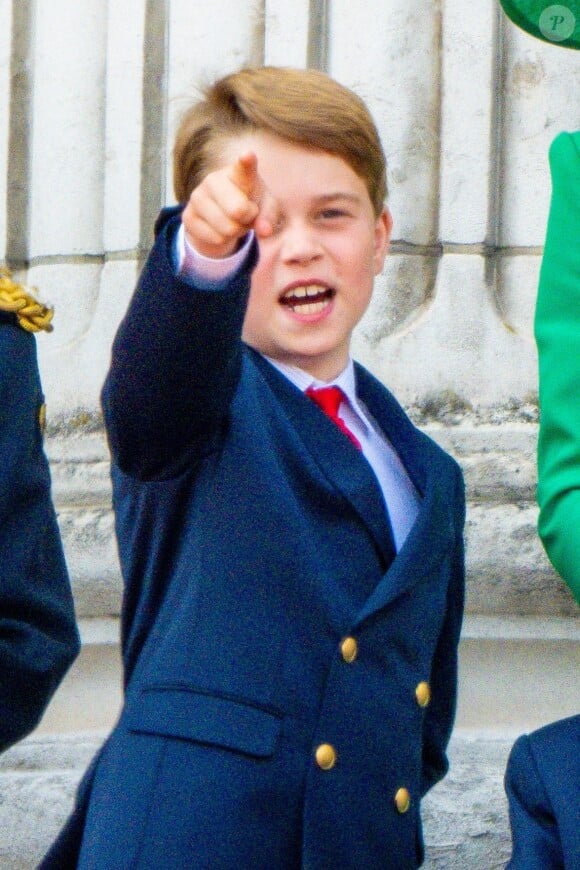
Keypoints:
pixel 38 634
pixel 253 541
pixel 543 787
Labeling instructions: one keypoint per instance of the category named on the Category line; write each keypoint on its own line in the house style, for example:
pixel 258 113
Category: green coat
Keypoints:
pixel 557 328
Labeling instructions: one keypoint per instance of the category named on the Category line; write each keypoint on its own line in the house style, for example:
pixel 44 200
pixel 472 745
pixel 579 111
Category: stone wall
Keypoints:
pixel 467 107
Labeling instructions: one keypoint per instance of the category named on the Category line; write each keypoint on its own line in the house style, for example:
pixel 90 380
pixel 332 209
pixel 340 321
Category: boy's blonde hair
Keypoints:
pixel 305 107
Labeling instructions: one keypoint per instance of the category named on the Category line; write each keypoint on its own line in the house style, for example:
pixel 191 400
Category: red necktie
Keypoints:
pixel 329 400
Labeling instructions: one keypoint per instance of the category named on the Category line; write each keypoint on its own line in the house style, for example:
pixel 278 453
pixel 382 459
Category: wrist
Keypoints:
pixel 209 251
pixel 194 264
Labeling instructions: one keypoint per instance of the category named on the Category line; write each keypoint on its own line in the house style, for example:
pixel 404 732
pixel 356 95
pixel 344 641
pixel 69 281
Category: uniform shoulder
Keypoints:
pixel 20 305
pixel 551 750
pixel 563 731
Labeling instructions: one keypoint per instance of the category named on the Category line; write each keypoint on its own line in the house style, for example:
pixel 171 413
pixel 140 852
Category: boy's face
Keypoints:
pixel 315 274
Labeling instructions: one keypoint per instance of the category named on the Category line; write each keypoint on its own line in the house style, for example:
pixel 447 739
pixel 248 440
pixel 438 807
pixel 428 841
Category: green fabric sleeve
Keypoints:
pixel 557 329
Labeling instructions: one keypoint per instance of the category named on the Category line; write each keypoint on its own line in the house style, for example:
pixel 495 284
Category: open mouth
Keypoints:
pixel 308 299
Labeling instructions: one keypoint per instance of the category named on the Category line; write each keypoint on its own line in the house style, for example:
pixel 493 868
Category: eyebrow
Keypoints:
pixel 331 197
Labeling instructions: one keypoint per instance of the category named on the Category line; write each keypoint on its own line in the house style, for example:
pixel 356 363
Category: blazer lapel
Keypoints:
pixel 423 551
pixel 428 541
pixel 339 460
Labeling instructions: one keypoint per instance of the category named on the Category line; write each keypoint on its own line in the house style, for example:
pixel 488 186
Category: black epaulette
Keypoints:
pixel 20 305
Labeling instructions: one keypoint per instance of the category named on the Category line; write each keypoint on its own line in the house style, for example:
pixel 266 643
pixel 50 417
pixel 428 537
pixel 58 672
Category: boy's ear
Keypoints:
pixel 383 228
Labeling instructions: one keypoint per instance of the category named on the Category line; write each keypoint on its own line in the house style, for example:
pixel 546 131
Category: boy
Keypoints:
pixel 293 603
pixel 38 634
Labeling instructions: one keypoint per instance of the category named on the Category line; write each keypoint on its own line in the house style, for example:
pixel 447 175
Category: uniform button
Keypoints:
pixel 349 649
pixel 325 756
pixel 423 694
pixel 42 418
pixel 402 800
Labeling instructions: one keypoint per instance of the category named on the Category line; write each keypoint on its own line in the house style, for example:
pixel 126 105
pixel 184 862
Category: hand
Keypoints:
pixel 226 205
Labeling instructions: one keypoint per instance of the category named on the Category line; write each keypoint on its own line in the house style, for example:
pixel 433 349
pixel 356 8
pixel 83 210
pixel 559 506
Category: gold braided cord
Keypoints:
pixel 31 314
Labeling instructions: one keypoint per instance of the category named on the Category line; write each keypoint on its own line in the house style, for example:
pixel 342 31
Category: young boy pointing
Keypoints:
pixel 292 553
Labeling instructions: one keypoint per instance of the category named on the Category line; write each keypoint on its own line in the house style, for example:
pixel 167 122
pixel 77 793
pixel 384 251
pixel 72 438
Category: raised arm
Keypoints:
pixel 177 354
pixel 557 329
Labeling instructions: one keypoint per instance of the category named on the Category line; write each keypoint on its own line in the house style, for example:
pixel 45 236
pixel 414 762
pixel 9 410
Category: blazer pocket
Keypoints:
pixel 189 714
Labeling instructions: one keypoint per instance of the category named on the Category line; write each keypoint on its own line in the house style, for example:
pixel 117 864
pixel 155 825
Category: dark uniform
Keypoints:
pixel 38 633
pixel 543 787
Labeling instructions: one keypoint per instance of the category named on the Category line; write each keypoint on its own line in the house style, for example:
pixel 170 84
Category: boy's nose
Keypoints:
pixel 299 243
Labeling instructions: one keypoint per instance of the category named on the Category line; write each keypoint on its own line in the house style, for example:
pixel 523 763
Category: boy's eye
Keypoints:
pixel 330 213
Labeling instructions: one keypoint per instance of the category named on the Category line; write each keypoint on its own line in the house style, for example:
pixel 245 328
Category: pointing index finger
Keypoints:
pixel 246 177
pixel 245 173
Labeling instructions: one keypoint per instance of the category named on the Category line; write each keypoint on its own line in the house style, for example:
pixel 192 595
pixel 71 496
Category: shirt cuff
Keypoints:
pixel 194 266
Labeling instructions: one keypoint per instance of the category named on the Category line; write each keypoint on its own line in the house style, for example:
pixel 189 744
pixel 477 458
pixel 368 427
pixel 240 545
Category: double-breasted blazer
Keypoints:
pixel 254 541
pixel 543 787
pixel 38 634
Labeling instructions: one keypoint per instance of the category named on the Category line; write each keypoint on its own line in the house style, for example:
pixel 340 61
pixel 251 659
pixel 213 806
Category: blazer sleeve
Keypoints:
pixel 557 329
pixel 175 363
pixel 535 839
pixel 440 714
pixel 38 634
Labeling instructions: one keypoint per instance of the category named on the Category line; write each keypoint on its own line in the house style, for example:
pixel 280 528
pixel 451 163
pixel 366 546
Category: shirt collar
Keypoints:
pixel 346 380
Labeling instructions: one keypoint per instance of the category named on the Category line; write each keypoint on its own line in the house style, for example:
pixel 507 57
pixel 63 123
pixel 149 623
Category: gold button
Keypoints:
pixel 402 800
pixel 423 694
pixel 42 418
pixel 349 649
pixel 325 756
